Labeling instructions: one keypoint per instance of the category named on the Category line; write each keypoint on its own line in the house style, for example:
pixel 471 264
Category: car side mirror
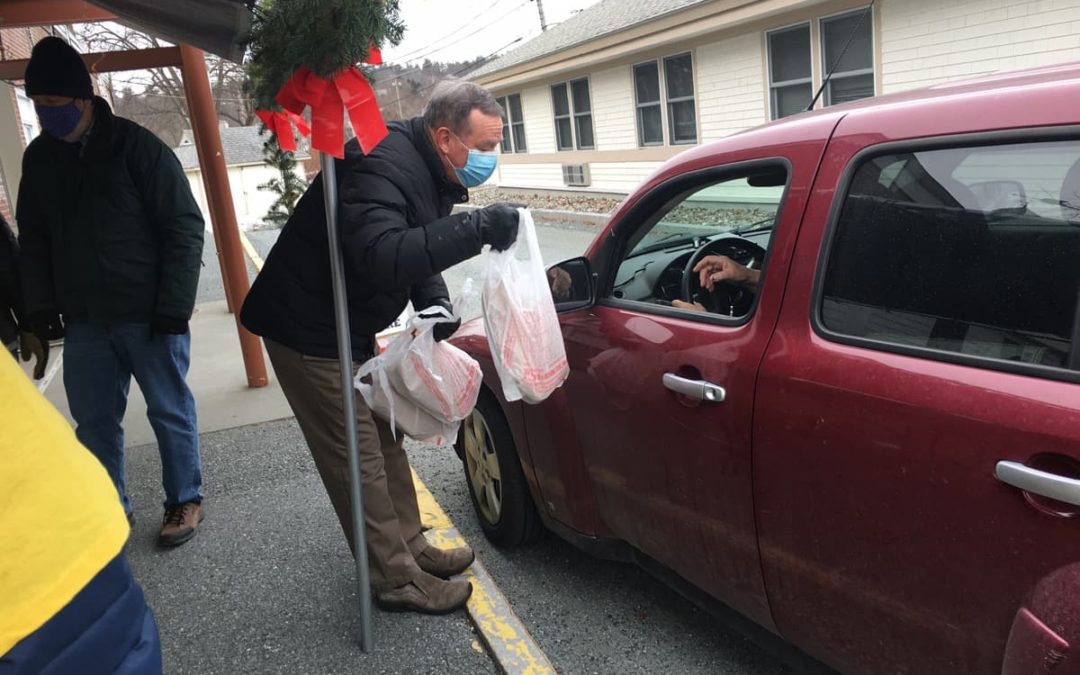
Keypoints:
pixel 572 284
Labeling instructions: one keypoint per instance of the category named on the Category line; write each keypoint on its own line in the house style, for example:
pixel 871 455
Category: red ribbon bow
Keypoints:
pixel 280 123
pixel 348 90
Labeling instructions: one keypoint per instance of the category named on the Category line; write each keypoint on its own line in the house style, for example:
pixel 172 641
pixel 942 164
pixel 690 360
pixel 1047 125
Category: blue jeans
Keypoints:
pixel 106 629
pixel 98 364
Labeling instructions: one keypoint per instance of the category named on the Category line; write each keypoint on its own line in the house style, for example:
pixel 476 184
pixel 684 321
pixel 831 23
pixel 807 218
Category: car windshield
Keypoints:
pixel 729 207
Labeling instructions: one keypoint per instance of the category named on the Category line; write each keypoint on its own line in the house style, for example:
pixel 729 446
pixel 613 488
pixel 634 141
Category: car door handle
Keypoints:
pixel 1040 483
pixel 699 390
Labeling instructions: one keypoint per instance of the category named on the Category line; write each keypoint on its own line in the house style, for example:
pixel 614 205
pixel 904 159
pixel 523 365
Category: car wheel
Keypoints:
pixel 497 487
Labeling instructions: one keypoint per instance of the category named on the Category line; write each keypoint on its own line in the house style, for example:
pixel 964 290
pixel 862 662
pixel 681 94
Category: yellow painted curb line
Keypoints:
pixel 514 650
pixel 256 259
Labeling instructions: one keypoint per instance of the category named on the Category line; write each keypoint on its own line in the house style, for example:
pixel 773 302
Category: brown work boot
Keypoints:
pixel 445 563
pixel 427 595
pixel 180 523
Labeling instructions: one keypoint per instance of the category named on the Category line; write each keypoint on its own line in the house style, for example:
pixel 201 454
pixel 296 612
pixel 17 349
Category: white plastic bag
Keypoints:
pixel 418 385
pixel 519 316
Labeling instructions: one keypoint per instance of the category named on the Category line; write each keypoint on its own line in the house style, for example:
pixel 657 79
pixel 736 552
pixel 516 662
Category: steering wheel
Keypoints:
pixel 725 298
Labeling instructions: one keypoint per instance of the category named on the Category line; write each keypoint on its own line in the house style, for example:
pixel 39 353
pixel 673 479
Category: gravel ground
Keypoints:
pixel 558 202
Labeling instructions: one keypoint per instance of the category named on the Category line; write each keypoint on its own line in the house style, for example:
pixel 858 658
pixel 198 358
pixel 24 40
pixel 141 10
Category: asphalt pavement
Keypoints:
pixel 268 586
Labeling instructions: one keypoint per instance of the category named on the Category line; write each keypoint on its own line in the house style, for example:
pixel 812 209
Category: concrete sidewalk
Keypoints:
pixel 268 585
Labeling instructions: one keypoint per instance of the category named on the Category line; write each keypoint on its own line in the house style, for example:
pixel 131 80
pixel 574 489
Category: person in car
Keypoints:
pixel 715 269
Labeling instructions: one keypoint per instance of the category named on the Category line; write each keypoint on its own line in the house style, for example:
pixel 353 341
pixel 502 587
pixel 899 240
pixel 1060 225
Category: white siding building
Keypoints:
pixel 247 169
pixel 601 100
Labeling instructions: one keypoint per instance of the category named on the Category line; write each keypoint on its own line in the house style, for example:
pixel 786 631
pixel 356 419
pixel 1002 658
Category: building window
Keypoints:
pixel 677 86
pixel 790 78
pixel 27 116
pixel 647 94
pixel 573 115
pixel 679 78
pixel 853 70
pixel 513 131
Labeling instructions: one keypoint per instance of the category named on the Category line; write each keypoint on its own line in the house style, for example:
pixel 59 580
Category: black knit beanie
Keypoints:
pixel 55 69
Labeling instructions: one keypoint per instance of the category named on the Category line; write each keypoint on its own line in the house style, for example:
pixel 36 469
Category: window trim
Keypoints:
pixel 658 104
pixel 573 115
pixel 670 126
pixel 872 70
pixel 510 123
pixel 653 206
pixel 927 144
pixel 506 146
pixel 773 86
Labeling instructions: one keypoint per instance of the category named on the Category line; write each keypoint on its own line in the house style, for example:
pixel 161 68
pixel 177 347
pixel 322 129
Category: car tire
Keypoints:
pixel 497 487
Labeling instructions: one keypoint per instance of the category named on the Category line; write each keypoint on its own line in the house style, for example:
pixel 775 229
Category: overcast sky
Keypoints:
pixel 458 30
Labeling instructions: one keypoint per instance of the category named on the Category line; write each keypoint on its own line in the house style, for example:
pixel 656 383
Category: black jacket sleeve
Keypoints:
pixel 173 210
pixel 10 289
pixel 379 242
pixel 430 291
pixel 35 255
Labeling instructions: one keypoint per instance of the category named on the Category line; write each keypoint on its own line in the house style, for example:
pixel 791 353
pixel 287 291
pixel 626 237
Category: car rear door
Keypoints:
pixel 927 362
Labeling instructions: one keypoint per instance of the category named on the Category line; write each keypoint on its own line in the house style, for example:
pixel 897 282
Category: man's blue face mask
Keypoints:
pixel 59 121
pixel 478 167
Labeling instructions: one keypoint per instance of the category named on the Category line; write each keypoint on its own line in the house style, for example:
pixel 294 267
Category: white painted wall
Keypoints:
pixel 620 176
pixel 926 42
pixel 614 121
pixel 730 86
pixel 250 202
pixel 539 119
pixel 531 175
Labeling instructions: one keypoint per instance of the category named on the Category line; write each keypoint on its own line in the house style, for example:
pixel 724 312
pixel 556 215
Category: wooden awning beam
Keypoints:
pixel 107 62
pixel 15 13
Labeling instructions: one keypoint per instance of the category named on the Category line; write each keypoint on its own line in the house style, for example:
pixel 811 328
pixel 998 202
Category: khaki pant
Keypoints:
pixel 313 388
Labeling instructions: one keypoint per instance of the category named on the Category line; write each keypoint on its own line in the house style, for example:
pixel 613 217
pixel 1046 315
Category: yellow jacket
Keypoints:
pixel 60 517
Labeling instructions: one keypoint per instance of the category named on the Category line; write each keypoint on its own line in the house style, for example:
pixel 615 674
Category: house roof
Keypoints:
pixel 242 145
pixel 603 18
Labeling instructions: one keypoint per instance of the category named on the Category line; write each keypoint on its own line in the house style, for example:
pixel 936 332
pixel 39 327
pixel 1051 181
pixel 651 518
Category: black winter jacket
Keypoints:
pixel 11 306
pixel 109 230
pixel 397 236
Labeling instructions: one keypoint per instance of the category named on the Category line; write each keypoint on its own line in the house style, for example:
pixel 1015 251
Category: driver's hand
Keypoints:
pixel 692 306
pixel 714 269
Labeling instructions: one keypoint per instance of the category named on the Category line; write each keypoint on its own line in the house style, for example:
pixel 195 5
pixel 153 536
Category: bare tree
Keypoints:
pixel 155 98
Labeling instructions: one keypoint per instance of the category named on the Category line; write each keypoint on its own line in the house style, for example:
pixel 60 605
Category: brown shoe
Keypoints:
pixel 180 523
pixel 427 595
pixel 445 563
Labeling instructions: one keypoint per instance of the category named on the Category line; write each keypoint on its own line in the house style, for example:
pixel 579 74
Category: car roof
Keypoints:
pixel 1029 97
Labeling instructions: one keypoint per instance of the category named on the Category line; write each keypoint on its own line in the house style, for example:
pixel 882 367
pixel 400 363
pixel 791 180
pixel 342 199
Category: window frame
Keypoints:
pixel 573 115
pixel 954 141
pixel 826 96
pixel 659 103
pixel 650 209
pixel 509 123
pixel 774 86
pixel 506 145
pixel 668 101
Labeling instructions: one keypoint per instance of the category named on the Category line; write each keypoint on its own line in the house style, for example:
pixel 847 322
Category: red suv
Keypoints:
pixel 870 444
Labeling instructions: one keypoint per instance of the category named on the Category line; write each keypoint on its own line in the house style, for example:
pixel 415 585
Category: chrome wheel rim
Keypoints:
pixel 482 465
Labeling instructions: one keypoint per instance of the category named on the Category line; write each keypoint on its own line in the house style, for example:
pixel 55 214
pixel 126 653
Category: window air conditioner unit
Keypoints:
pixel 576 175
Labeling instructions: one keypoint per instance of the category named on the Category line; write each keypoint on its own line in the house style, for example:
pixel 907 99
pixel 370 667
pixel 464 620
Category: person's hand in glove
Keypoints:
pixel 168 325
pixel 497 225
pixel 444 329
pixel 32 346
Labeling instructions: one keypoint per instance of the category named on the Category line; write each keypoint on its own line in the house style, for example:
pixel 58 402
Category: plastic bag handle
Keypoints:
pixel 527 230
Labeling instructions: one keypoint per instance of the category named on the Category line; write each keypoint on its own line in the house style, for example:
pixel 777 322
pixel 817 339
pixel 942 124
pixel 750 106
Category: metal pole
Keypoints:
pixel 219 199
pixel 540 8
pixel 348 393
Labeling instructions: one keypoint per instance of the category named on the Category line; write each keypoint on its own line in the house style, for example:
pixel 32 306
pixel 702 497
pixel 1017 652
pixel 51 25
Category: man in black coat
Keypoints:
pixel 112 242
pixel 398 236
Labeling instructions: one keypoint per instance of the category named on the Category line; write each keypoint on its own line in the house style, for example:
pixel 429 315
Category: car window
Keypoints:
pixel 969 251
pixel 730 219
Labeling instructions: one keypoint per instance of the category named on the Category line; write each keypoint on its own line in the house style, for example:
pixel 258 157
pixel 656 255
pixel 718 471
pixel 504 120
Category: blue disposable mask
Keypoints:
pixel 59 121
pixel 478 167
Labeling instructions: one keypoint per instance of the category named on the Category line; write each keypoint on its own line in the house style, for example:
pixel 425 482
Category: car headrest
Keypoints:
pixel 1070 196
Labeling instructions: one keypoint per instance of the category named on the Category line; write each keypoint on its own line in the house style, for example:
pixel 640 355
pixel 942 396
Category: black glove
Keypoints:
pixel 445 329
pixel 31 346
pixel 497 225
pixel 46 325
pixel 168 325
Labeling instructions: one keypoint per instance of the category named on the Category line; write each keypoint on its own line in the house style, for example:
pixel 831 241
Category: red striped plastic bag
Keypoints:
pixel 519 316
